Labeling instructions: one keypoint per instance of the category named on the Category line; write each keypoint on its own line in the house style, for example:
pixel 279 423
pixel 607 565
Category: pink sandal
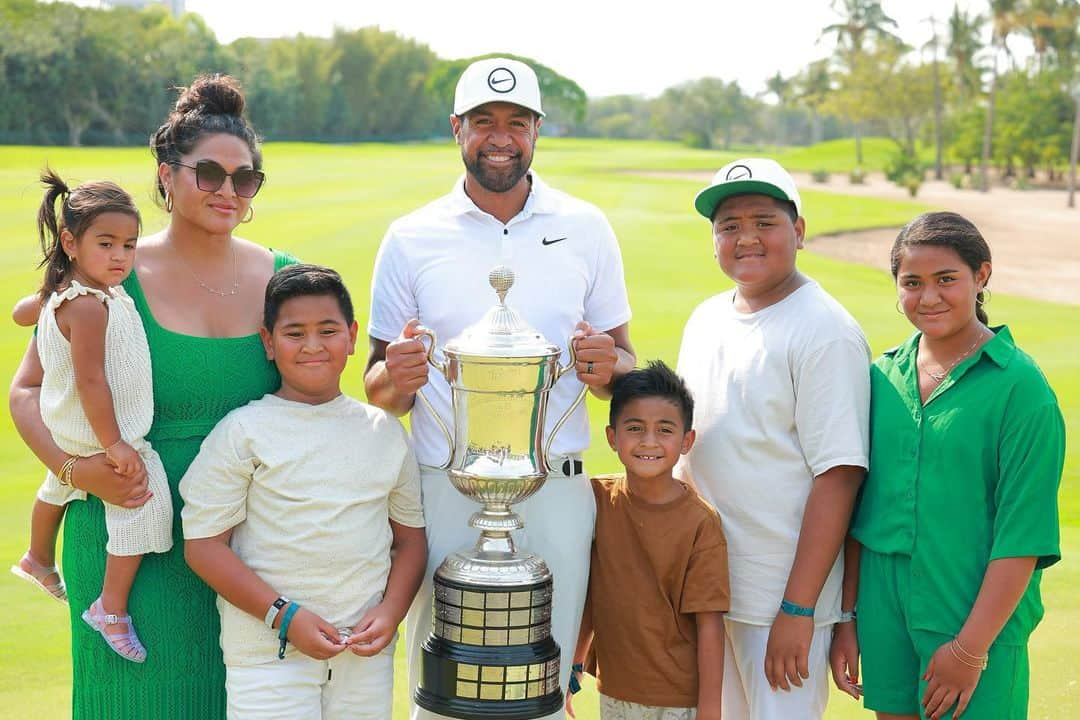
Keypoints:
pixel 126 645
pixel 36 576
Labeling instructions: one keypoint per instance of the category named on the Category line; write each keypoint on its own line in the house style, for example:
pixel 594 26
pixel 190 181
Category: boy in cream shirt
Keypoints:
pixel 781 375
pixel 292 509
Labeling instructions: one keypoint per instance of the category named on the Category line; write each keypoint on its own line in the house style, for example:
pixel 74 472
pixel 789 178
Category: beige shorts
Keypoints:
pixel 612 709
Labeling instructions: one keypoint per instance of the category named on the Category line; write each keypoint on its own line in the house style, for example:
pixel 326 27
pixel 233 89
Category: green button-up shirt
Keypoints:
pixel 969 477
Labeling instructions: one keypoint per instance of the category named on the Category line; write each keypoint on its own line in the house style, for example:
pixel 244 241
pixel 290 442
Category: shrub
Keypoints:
pixel 1020 182
pixel 821 175
pixel 904 169
pixel 857 176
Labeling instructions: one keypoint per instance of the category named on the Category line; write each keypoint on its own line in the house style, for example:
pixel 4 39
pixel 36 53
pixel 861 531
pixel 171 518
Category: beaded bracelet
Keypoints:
pixel 109 450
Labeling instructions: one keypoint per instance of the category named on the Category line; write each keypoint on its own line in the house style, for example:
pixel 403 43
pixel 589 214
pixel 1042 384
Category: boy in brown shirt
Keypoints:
pixel 652 631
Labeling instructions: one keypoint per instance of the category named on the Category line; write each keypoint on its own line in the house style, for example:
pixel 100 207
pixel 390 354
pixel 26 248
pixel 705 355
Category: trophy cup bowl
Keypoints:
pixel 490 654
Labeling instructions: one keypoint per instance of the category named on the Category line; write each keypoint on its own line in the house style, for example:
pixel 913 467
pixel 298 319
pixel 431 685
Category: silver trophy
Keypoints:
pixel 490 654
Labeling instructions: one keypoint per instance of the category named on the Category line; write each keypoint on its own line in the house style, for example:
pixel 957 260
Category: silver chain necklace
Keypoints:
pixel 235 289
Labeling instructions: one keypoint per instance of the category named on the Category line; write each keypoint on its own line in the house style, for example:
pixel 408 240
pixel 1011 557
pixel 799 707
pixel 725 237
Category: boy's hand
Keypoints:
pixel 313 636
pixel 844 659
pixel 788 650
pixel 124 458
pixel 596 356
pixel 569 702
pixel 373 633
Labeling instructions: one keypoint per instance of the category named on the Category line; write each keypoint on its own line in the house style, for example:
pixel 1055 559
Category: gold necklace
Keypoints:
pixel 214 291
pixel 938 377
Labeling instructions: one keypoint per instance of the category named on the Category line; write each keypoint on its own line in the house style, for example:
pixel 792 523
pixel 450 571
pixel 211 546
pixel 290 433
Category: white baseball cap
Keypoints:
pixel 749 176
pixel 497 80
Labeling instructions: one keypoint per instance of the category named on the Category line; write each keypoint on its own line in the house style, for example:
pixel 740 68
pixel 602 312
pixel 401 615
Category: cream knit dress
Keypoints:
pixel 127 369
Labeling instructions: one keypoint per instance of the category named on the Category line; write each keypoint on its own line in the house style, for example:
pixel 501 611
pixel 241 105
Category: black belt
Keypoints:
pixel 571 465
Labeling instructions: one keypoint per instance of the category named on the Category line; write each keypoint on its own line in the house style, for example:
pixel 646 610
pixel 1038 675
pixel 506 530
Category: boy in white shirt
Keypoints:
pixel 302 510
pixel 780 372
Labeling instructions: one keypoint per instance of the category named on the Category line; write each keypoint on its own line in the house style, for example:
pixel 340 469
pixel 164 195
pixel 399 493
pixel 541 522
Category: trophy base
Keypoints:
pixel 454 678
pixel 490 655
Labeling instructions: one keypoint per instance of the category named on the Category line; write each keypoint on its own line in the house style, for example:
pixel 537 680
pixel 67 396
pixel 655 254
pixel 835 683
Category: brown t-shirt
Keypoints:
pixel 653 567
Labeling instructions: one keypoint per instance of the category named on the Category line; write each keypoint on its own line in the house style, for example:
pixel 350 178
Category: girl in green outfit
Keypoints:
pixel 958 514
pixel 199 290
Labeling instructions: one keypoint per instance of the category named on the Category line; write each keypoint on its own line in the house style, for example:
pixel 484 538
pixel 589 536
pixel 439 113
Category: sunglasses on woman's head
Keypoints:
pixel 210 176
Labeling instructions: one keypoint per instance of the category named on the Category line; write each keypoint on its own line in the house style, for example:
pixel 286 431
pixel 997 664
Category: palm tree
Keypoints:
pixel 965 30
pixel 812 88
pixel 781 87
pixel 1005 16
pixel 862 21
pixel 933 44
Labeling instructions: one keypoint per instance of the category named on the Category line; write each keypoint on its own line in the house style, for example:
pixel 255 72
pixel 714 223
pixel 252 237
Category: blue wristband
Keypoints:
pixel 575 685
pixel 790 608
pixel 283 629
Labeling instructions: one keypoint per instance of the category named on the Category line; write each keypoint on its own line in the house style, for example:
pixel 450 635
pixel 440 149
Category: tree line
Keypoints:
pixel 78 75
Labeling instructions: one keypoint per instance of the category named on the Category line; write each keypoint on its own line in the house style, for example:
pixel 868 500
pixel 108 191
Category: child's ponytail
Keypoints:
pixel 55 261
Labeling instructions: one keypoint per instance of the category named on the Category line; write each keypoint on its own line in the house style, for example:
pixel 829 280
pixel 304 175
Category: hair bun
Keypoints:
pixel 212 95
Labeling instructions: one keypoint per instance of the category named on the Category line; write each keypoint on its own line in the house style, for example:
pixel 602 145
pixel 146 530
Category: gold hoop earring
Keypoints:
pixel 168 201
pixel 249 215
pixel 898 308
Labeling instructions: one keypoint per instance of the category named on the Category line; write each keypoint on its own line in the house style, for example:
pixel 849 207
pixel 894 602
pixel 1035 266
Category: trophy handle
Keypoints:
pixel 573 406
pixel 441 367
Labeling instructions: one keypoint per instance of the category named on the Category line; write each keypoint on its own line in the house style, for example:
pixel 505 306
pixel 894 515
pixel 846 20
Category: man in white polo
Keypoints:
pixel 432 270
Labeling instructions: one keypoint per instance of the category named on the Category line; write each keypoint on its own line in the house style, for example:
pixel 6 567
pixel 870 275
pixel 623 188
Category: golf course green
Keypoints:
pixel 330 204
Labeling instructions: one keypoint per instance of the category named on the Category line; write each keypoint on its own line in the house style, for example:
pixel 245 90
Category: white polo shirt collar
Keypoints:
pixel 542 200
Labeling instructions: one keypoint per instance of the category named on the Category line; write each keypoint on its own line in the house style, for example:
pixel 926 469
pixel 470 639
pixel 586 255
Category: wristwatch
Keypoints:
pixel 275 608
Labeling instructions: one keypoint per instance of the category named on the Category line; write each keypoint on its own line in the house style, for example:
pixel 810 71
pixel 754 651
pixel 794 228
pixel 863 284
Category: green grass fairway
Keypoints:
pixel 331 205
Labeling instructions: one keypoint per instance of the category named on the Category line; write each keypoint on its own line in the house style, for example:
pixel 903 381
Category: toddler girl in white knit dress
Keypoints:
pixel 96 394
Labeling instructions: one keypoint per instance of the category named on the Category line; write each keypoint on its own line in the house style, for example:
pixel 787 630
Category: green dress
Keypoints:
pixel 197 381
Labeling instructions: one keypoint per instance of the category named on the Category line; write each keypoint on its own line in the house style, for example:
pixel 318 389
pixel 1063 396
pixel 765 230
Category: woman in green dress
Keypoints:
pixel 199 291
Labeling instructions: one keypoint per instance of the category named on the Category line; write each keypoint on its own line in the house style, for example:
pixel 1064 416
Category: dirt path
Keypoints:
pixel 1034 237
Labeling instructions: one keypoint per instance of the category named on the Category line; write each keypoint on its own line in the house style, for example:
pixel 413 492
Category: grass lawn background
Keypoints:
pixel 331 205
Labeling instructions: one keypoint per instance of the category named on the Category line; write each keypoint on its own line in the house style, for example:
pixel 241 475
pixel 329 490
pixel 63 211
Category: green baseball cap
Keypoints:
pixel 749 176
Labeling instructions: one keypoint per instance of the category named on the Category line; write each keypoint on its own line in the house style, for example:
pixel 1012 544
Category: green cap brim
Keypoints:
pixel 708 199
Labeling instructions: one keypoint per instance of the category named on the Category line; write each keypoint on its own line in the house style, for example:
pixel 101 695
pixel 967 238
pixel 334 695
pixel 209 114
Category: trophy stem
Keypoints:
pixel 496 518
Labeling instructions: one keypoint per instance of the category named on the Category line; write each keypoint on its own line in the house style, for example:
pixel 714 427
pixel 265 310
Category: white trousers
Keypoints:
pixel 345 687
pixel 559 522
pixel 746 693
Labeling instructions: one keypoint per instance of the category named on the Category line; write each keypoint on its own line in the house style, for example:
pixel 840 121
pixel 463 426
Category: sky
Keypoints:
pixel 606 47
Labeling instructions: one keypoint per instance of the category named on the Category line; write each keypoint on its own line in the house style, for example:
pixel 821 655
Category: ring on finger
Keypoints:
pixel 589 368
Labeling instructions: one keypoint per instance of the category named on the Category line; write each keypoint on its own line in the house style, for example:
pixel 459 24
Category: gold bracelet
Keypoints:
pixel 972 661
pixel 962 649
pixel 64 476
pixel 71 472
